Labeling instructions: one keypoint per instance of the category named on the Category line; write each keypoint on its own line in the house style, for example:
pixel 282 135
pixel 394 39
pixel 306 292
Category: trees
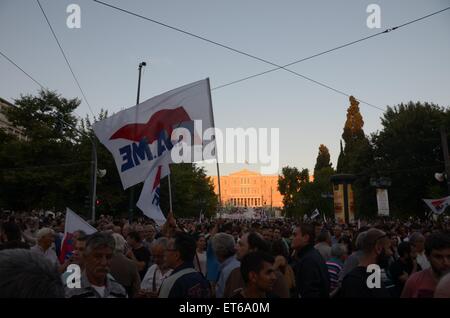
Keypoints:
pixel 408 150
pixel 323 159
pixel 51 169
pixel 354 138
pixel 357 158
pixel 192 191
pixel 290 182
pixel 35 171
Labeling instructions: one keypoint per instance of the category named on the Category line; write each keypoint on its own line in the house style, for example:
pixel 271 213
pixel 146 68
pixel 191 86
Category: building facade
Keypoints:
pixel 247 188
pixel 5 124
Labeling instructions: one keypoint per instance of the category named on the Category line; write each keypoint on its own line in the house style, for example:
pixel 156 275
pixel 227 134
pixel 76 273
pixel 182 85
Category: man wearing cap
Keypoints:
pixel 365 280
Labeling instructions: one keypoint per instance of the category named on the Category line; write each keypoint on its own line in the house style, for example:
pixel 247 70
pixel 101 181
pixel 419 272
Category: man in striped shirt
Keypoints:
pixel 335 264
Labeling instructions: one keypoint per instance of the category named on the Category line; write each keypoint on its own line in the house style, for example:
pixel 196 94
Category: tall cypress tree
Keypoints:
pixel 323 159
pixel 341 160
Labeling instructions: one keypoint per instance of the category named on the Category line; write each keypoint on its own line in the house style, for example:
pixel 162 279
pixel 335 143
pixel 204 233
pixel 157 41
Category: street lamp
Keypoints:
pixel 131 203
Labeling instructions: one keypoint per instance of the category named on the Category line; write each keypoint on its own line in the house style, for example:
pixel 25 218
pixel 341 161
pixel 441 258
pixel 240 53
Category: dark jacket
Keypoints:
pixel 311 274
pixel 125 272
pixel 192 285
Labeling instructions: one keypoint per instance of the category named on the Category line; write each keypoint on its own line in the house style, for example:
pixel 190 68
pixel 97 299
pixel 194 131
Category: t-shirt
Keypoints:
pixel 397 269
pixel 48 254
pixel 212 264
pixel 422 260
pixel 142 255
pixel 334 268
pixel 420 285
pixel 154 278
pixel 354 285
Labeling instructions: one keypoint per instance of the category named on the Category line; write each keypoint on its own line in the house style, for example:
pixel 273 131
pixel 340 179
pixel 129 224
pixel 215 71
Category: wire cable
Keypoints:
pixel 66 59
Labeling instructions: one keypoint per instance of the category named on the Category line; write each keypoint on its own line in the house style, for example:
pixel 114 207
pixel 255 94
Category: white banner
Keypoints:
pixel 383 202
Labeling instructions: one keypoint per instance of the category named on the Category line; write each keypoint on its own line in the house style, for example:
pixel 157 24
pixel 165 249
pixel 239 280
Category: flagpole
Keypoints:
pixel 170 194
pixel 217 160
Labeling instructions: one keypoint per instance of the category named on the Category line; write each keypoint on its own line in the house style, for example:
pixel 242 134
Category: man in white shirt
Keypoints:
pixel 417 241
pixel 45 238
pixel 158 272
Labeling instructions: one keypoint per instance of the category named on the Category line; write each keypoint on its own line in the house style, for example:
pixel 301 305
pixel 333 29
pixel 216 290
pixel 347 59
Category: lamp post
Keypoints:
pixel 131 203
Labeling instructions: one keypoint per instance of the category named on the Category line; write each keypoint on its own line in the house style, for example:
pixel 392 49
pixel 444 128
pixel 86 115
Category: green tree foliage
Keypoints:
pixel 408 150
pixel 192 192
pixel 290 182
pixel 357 158
pixel 34 172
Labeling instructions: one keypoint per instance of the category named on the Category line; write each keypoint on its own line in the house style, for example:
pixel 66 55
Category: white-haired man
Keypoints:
pixel 158 272
pixel 45 238
pixel 224 247
pixel 95 280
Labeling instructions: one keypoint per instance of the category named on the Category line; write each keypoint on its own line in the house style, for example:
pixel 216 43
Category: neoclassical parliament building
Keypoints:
pixel 247 188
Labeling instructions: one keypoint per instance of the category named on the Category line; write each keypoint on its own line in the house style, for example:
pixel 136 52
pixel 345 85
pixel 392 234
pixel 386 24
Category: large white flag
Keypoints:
pixel 438 205
pixel 149 200
pixel 138 136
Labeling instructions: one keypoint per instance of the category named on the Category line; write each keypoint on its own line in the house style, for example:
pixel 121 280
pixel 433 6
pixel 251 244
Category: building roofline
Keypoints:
pixel 4 101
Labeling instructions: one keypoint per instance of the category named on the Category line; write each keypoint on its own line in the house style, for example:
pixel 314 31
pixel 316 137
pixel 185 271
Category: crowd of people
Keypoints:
pixel 222 258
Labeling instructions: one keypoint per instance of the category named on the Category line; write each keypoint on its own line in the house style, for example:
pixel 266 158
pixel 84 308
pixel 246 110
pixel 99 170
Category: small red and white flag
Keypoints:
pixel 438 205
pixel 73 223
pixel 150 196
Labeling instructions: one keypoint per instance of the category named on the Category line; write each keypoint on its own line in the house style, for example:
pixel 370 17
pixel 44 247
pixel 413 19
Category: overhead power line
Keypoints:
pixel 269 62
pixel 22 70
pixel 332 49
pixel 66 59
pixel 233 50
